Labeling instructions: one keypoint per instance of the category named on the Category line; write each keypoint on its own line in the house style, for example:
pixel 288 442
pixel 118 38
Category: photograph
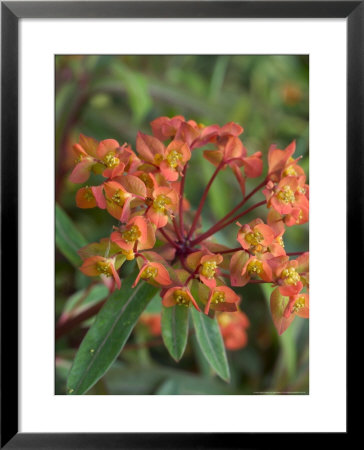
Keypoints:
pixel 181 224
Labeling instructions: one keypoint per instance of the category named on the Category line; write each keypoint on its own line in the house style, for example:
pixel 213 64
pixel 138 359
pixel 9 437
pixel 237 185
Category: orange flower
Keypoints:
pixel 138 233
pixel 179 295
pixel 222 298
pixel 165 202
pixel 256 236
pixel 155 272
pixel 85 151
pixel 100 266
pixel 90 197
pixel 284 309
pixel 233 329
pixel 152 322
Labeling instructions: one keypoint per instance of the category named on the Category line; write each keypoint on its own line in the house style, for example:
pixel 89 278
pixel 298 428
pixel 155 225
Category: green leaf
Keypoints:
pixel 84 298
pixel 108 334
pixel 175 330
pixel 68 238
pixel 211 343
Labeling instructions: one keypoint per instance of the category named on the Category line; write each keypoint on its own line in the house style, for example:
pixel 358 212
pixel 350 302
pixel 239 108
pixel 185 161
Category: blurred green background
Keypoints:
pixel 114 97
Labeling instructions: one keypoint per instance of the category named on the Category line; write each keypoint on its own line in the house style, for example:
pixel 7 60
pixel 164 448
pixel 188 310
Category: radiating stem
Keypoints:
pixel 242 203
pixel 169 239
pixel 219 227
pixel 203 199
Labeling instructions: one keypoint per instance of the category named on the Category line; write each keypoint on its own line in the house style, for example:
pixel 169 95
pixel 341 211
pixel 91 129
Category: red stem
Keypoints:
pixel 182 188
pixel 65 327
pixel 217 227
pixel 295 253
pixel 163 233
pixel 176 230
pixel 242 203
pixel 231 250
pixel 203 199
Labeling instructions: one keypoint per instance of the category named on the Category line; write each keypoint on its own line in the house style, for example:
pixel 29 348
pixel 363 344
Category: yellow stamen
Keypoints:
pixel 209 269
pixel 255 267
pixel 290 276
pixel 129 254
pixel 299 304
pixel 131 234
pixel 254 238
pixel 146 180
pixel 119 197
pixel 173 158
pixel 218 297
pixel 149 272
pixel 161 202
pixel 111 160
pixel 289 172
pixel 88 195
pixel 181 297
pixel 286 195
pixel 104 268
pixel 158 158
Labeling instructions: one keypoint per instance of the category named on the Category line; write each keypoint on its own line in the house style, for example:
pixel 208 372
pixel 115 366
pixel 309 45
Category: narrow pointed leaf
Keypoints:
pixel 68 239
pixel 108 334
pixel 211 343
pixel 175 330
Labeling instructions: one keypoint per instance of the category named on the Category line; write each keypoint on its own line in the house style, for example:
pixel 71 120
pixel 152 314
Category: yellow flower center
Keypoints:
pixel 209 269
pixel 149 272
pixel 146 180
pixel 280 241
pixel 299 304
pixel 290 276
pixel 119 197
pixel 173 158
pixel 289 172
pixel 181 297
pixel 131 234
pixel 104 268
pixel 286 195
pixel 218 297
pixel 158 158
pixel 161 202
pixel 129 254
pixel 254 238
pixel 301 190
pixel 88 195
pixel 111 160
pixel 255 267
pixel 300 216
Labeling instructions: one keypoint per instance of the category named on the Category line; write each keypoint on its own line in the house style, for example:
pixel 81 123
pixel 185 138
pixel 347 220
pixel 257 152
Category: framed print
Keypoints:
pixel 157 159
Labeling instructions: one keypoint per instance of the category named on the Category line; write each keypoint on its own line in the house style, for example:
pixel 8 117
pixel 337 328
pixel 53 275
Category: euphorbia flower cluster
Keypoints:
pixel 143 190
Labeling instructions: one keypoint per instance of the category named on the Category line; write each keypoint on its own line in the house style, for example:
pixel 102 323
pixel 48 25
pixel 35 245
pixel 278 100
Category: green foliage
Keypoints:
pixel 175 330
pixel 68 238
pixel 210 341
pixel 108 334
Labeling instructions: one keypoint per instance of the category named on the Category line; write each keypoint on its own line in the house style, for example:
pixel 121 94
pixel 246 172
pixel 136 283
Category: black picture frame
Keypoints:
pixel 11 12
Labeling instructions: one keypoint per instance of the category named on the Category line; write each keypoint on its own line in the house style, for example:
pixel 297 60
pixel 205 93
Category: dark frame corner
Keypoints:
pixel 11 13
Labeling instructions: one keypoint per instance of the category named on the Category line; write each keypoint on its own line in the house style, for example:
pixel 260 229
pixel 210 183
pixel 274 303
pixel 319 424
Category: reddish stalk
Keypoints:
pixel 296 253
pixel 180 211
pixel 231 250
pixel 203 199
pixel 242 203
pixel 176 230
pixel 65 327
pixel 217 227
pixel 163 233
